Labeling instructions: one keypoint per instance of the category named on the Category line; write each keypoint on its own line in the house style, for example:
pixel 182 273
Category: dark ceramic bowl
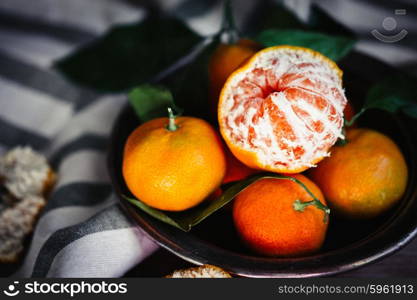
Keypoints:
pixel 348 245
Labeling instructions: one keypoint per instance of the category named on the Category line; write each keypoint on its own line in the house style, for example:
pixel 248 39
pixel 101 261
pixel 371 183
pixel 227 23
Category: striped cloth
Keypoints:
pixel 82 231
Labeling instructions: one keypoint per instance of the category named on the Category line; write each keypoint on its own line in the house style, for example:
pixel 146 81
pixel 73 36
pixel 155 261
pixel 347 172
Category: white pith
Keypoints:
pixel 315 144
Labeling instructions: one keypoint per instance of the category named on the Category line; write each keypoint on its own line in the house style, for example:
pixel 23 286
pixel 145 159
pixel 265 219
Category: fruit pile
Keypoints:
pixel 281 110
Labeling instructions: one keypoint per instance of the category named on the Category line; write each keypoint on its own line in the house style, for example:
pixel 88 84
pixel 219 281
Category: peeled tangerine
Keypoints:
pixel 283 110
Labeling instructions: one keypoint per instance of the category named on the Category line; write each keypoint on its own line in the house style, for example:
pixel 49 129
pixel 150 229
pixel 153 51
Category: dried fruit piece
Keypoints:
pixel 204 271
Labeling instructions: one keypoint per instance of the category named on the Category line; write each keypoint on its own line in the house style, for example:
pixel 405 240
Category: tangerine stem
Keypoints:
pixel 300 206
pixel 228 31
pixel 171 123
pixel 342 142
pixel 355 117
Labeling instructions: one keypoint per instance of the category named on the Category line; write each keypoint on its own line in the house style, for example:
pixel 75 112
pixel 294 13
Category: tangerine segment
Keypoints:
pixel 283 109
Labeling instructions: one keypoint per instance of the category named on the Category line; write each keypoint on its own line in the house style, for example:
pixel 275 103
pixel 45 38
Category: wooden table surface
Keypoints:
pixel 402 264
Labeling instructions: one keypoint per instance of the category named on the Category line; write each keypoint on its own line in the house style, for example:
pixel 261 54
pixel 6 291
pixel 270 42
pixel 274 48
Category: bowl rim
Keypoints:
pixel 315 265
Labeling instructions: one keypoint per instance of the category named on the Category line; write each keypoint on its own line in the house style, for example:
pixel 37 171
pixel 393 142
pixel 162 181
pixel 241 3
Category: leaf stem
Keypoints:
pixel 228 31
pixel 342 142
pixel 171 123
pixel 354 118
pixel 300 206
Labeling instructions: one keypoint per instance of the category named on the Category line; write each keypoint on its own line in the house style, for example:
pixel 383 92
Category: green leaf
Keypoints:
pixel 150 101
pixel 394 94
pixel 389 103
pixel 334 47
pixel 411 110
pixel 185 220
pixel 158 214
pixel 190 83
pixel 129 55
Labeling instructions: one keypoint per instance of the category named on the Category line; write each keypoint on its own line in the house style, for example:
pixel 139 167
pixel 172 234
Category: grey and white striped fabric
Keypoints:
pixel 83 232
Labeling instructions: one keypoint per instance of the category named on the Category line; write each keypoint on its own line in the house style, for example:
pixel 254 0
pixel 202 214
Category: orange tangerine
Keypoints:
pixel 283 109
pixel 363 178
pixel 267 222
pixel 173 164
pixel 235 170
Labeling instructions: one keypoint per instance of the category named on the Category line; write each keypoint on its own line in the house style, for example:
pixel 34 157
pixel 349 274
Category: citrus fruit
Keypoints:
pixel 348 112
pixel 173 164
pixel 226 59
pixel 283 109
pixel 267 222
pixel 235 170
pixel 364 177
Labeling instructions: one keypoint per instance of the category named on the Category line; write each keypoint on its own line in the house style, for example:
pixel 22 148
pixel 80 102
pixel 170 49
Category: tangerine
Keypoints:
pixel 173 164
pixel 267 221
pixel 363 178
pixel 235 170
pixel 348 112
pixel 226 59
pixel 283 109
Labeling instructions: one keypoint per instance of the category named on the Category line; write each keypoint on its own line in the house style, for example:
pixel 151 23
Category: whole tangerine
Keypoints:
pixel 267 221
pixel 364 177
pixel 173 163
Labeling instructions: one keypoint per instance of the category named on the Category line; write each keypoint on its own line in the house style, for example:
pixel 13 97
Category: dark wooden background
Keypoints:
pixel 401 264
